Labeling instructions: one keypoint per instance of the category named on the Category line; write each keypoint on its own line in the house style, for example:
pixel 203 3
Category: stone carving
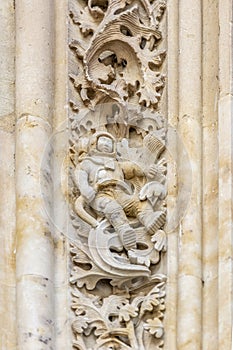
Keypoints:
pixel 118 51
pixel 118 174
pixel 118 322
pixel 105 185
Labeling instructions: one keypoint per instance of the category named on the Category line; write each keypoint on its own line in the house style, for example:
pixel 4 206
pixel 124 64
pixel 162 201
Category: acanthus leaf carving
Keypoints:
pixel 122 53
pixel 113 319
pixel 117 174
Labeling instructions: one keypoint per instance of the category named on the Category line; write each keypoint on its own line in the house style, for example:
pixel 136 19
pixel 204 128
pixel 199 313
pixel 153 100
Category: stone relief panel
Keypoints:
pixel 117 174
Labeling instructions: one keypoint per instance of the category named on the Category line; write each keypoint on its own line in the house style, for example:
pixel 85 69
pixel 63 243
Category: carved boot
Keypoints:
pixel 152 221
pixel 127 237
pixel 121 225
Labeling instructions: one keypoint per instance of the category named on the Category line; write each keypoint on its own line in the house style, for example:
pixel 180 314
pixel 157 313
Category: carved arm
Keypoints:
pixel 87 191
pixel 132 170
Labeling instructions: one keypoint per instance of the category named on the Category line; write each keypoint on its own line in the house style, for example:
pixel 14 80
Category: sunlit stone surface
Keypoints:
pixel 116 174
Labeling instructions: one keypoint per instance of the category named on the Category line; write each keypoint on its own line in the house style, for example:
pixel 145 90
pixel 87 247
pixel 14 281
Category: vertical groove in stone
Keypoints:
pixel 61 212
pixel 210 174
pixel 7 178
pixel 34 110
pixel 225 136
pixel 172 234
pixel 190 131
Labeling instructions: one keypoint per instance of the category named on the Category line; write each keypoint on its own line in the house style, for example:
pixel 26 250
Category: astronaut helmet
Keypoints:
pixel 102 143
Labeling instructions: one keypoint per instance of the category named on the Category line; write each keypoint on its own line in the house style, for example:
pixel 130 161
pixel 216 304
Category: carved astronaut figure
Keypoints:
pixel 104 184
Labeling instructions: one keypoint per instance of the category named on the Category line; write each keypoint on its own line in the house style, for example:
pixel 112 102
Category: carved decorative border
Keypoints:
pixel 116 82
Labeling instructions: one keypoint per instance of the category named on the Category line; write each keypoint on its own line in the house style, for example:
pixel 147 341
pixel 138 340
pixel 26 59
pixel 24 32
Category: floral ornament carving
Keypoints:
pixel 120 322
pixel 119 50
pixel 117 174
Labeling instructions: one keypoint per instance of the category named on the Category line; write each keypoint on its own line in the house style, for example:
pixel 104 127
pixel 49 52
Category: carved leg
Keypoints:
pixel 116 216
pixel 152 220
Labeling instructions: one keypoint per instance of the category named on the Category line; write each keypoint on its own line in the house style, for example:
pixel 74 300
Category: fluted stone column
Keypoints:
pixel 172 145
pixel 35 302
pixel 7 178
pixel 210 62
pixel 189 307
pixel 63 339
pixel 34 111
pixel 225 137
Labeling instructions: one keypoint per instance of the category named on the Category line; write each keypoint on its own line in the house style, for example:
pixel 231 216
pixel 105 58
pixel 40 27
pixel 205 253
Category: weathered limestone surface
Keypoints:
pixel 118 173
pixel 7 179
pixel 61 216
pixel 79 83
pixel 189 129
pixel 210 66
pixel 225 138
pixel 34 111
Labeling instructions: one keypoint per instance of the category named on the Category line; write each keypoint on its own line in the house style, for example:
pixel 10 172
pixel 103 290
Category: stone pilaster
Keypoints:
pixel 189 308
pixel 72 69
pixel 34 111
pixel 7 177
pixel 225 137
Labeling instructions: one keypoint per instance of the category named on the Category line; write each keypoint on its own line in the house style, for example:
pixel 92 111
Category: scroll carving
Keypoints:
pixel 117 174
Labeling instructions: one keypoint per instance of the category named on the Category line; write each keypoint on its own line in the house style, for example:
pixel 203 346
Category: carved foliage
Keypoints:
pixel 120 322
pixel 118 174
pixel 119 51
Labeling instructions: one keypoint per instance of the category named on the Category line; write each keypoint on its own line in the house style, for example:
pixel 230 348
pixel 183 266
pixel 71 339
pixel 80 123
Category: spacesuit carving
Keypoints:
pixel 105 185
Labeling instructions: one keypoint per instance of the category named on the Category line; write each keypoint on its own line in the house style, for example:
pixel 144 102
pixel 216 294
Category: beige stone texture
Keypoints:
pixel 7 179
pixel 210 175
pixel 225 177
pixel 34 52
pixel 63 330
pixel 35 193
pixel 189 128
pixel 173 111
